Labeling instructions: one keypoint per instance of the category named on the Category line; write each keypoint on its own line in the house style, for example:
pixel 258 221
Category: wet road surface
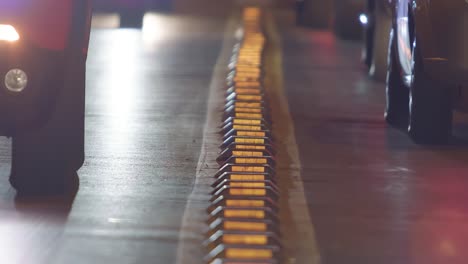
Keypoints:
pixel 372 195
pixel 146 108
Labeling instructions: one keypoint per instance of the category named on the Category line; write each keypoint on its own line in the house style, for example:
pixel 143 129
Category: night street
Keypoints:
pixel 340 184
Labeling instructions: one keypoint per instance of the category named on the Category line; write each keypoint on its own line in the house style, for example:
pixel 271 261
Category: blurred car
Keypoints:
pixel 342 14
pixel 43 58
pixel 427 73
pixel 376 22
pixel 131 11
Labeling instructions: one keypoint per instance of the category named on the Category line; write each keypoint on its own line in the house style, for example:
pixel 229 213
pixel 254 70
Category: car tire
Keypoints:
pixel 397 94
pixel 380 40
pixel 430 119
pixel 313 13
pixel 45 160
pixel 131 19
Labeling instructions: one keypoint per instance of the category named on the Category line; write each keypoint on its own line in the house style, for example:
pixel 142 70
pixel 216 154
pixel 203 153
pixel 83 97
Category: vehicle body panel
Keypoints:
pixel 35 21
pixel 442 35
pixel 403 36
pixel 439 30
pixel 447 54
pixel 47 39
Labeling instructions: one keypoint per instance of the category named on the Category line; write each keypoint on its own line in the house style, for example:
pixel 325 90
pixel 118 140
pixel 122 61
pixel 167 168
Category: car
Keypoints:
pixel 342 15
pixel 427 72
pixel 131 11
pixel 376 22
pixel 43 60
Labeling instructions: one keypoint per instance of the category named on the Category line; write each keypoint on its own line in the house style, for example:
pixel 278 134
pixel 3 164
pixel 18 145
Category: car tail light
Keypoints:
pixel 8 33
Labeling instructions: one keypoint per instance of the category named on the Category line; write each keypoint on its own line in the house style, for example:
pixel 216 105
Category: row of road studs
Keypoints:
pixel 243 216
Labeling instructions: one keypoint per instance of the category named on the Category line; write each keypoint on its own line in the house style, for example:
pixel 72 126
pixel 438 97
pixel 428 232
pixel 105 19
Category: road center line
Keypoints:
pixel 298 234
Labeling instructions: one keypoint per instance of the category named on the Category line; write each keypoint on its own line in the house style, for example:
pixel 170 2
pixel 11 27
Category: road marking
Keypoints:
pixel 247 200
pixel 251 214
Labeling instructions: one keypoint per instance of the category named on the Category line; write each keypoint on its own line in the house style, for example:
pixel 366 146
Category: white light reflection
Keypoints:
pixel 114 220
pixel 28 238
pixel 115 97
pixel 155 28
pixel 105 21
pixel 363 19
pixel 8 33
pixel 404 45
pixel 122 82
pixel 10 242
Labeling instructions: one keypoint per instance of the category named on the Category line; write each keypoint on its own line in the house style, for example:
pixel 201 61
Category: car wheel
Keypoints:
pixel 380 40
pixel 45 160
pixel 397 109
pixel 430 106
pixel 131 19
pixel 313 13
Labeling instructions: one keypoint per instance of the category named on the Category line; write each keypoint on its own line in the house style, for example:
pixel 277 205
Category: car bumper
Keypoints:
pixel 33 106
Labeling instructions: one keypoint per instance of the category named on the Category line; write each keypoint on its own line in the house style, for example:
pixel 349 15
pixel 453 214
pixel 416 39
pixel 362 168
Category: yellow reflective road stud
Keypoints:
pixel 250 140
pixel 247 110
pixel 247 70
pixel 247 128
pixel 245 253
pixel 248 169
pixel 247 185
pixel 248 104
pixel 247 91
pixel 245 203
pixel 248 115
pixel 251 161
pixel 247 192
pixel 245 226
pixel 247 153
pixel 238 121
pixel 246 239
pixel 241 97
pixel 246 78
pixel 247 177
pixel 248 84
pixel 250 147
pixel 254 214
pixel 250 134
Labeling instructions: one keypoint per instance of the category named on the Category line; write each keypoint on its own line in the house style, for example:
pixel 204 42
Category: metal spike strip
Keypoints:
pixel 243 216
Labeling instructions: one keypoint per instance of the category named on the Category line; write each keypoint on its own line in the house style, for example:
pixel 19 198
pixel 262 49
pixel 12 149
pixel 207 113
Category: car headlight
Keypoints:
pixel 16 80
pixel 8 33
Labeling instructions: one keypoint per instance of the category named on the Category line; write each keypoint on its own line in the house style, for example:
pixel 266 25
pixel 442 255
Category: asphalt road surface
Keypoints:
pixel 359 191
pixel 146 107
pixel 373 195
